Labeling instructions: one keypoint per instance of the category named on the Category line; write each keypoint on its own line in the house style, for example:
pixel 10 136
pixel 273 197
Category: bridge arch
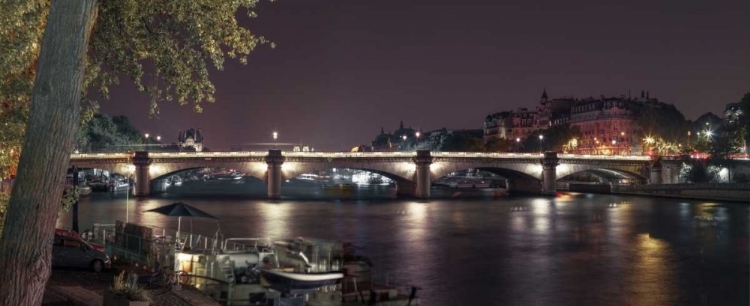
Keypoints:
pixel 634 171
pixel 400 171
pixel 509 170
pixel 396 170
pixel 119 168
pixel 161 171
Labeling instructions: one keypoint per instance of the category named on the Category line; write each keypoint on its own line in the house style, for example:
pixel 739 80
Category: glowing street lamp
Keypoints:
pixel 275 137
pixel 146 135
pixel 614 142
pixel 404 137
pixel 158 138
pixel 541 142
pixel 417 134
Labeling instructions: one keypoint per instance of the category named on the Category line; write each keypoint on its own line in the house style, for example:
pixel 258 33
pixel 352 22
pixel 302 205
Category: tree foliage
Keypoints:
pixel 178 39
pixel 500 145
pixel 104 133
pixel 698 173
pixel 554 139
pixel 461 141
pixel 164 47
pixel 661 120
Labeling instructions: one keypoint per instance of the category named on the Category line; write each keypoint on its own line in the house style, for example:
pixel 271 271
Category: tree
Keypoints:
pixel 661 120
pixel 461 141
pixel 103 133
pixel 53 120
pixel 177 38
pixel 697 173
pixel 500 145
pixel 554 138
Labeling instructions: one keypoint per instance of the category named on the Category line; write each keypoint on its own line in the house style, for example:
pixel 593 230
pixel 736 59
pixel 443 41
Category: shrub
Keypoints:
pixel 129 288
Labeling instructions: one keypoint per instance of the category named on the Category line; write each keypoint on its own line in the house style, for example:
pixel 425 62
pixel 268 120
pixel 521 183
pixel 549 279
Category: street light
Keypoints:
pixel 158 138
pixel 404 137
pixel 275 136
pixel 613 146
pixel 541 143
pixel 417 134
pixel 146 135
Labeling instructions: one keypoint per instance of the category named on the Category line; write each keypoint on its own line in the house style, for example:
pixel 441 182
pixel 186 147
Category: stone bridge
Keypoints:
pixel 412 171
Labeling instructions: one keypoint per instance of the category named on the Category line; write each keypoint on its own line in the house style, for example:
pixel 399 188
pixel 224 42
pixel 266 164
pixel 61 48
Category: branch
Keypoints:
pixel 145 23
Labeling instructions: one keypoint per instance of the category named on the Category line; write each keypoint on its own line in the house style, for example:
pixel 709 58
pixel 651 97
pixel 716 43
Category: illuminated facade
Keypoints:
pixel 523 121
pixel 607 126
pixel 191 138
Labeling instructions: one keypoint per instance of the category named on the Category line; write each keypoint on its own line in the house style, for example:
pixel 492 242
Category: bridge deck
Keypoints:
pixel 360 155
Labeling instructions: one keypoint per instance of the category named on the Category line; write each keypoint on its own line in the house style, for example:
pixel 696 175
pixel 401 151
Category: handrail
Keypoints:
pixel 362 155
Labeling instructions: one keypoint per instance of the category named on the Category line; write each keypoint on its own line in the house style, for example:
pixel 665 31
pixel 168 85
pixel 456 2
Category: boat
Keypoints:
pixel 260 271
pixel 291 282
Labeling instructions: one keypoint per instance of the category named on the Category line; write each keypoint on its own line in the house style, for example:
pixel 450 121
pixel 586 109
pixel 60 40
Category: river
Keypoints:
pixel 575 249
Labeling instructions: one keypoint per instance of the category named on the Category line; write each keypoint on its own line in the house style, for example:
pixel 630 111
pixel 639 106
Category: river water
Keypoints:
pixel 575 249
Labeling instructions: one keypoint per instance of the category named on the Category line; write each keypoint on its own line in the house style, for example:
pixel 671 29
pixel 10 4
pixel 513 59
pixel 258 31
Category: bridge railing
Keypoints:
pixel 349 154
pixel 208 154
pixel 360 154
pixel 100 155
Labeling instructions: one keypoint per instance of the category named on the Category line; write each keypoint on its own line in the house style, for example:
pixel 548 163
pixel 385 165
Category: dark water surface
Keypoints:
pixel 575 249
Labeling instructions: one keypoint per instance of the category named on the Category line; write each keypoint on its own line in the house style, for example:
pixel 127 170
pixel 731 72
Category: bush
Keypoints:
pixel 699 174
pixel 741 178
pixel 129 288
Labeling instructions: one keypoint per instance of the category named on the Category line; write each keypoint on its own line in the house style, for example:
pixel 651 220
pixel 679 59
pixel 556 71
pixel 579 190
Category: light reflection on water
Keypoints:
pixel 573 250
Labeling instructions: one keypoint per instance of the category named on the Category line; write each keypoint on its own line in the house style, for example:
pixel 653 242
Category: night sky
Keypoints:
pixel 344 68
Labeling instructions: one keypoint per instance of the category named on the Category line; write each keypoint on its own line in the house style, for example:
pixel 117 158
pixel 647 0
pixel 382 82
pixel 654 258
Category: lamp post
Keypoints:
pixel 275 137
pixel 416 145
pixel 614 142
pixel 130 171
pixel 541 143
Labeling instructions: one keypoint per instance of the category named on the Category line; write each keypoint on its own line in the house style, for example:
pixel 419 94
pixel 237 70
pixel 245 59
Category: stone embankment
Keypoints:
pixel 737 192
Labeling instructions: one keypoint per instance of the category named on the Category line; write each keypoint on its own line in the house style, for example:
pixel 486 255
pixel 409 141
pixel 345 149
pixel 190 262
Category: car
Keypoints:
pixel 72 252
pixel 72 233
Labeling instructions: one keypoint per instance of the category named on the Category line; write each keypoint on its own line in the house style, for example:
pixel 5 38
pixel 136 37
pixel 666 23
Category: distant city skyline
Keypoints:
pixel 344 69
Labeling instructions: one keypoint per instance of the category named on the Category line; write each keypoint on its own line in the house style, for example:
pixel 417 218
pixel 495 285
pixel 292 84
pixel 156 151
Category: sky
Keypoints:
pixel 342 69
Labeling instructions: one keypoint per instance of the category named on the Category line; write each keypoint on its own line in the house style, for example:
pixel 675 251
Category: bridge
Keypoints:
pixel 413 172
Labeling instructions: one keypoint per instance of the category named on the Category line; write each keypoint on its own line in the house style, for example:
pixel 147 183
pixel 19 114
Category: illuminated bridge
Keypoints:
pixel 412 171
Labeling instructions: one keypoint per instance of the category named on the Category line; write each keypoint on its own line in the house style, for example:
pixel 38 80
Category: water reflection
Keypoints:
pixel 652 275
pixel 276 216
pixel 577 250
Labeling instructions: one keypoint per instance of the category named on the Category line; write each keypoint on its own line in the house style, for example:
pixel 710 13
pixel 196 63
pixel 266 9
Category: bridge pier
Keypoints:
pixel 549 173
pixel 655 175
pixel 422 175
pixel 274 160
pixel 142 180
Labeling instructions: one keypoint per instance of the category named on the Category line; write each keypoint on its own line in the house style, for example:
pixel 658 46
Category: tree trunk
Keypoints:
pixel 25 249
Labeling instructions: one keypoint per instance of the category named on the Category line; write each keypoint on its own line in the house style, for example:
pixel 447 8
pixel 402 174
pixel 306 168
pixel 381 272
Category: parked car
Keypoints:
pixel 72 233
pixel 72 252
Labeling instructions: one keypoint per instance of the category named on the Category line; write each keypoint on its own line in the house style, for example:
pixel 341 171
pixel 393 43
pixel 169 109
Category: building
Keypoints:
pixel 191 138
pixel 608 125
pixel 523 121
pixel 395 141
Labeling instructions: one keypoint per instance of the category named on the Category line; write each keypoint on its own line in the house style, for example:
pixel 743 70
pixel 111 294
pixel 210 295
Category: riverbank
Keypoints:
pixel 84 287
pixel 702 191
